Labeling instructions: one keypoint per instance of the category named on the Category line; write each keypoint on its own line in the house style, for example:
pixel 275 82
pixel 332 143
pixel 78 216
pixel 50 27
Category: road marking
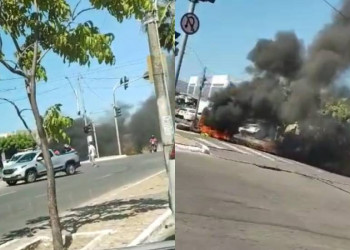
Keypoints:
pixel 7 193
pixel 282 160
pixel 260 154
pixel 209 143
pixel 235 148
pixel 102 177
pixel 40 195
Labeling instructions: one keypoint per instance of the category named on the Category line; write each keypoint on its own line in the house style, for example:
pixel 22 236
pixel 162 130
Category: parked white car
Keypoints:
pixel 249 129
pixel 190 114
pixel 13 159
pixel 181 112
pixel 30 165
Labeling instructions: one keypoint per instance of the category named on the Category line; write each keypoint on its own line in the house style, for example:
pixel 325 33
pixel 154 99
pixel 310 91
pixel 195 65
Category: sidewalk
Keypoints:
pixel 109 221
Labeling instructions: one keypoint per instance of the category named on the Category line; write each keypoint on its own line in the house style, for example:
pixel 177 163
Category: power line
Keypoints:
pixel 335 9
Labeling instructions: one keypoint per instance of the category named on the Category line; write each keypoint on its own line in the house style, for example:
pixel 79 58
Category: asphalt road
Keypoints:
pixel 243 199
pixel 20 203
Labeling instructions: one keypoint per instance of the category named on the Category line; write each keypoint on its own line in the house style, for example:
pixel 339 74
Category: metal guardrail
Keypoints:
pixel 164 245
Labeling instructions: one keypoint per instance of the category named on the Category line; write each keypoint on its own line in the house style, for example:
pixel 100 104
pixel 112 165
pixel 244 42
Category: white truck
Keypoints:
pixel 30 165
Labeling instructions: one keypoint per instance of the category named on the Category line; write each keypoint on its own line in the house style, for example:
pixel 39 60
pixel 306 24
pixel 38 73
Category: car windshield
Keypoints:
pixel 16 157
pixel 27 157
pixel 192 111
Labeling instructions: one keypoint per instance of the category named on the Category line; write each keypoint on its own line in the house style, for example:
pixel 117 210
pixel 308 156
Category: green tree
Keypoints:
pixel 55 124
pixel 125 9
pixel 16 142
pixel 338 109
pixel 36 28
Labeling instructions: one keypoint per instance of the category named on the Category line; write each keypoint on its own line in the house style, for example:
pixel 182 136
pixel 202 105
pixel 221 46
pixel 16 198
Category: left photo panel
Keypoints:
pixel 87 94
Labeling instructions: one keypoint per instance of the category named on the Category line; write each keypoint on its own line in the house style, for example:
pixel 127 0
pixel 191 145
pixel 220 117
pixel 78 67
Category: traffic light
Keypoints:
pixel 88 128
pixel 124 81
pixel 118 111
pixel 177 34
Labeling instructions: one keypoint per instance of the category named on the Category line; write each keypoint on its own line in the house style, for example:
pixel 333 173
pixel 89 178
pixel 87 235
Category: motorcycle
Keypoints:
pixel 153 148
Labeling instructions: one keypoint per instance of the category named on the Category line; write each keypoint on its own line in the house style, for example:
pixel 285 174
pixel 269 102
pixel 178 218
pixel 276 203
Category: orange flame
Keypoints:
pixel 213 132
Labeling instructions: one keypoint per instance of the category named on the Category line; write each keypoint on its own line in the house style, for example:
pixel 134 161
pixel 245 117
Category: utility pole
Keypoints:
pixel 95 139
pixel 116 120
pixel 194 122
pixel 82 102
pixel 184 43
pixel 163 103
pixel 84 109
pixel 76 95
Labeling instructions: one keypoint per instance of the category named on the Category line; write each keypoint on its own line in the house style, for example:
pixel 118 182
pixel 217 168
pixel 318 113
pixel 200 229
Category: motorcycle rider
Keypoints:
pixel 153 143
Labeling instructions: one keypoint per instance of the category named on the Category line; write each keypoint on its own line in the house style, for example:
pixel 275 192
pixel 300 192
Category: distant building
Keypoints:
pixel 213 84
pixel 5 135
pixel 181 87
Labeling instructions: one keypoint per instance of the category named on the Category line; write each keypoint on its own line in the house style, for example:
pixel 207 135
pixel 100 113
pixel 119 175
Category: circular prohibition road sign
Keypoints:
pixel 190 23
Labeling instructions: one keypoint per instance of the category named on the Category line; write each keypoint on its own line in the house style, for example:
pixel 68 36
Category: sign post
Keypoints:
pixel 185 21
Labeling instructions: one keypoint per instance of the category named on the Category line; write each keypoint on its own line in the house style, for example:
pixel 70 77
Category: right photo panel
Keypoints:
pixel 262 133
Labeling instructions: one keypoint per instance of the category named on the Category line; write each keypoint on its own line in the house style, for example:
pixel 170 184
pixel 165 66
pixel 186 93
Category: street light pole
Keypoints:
pixel 183 46
pixel 116 120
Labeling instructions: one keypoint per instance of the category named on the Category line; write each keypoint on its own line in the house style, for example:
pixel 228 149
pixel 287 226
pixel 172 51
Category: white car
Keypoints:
pixel 249 129
pixel 13 159
pixel 181 113
pixel 190 114
pixel 30 166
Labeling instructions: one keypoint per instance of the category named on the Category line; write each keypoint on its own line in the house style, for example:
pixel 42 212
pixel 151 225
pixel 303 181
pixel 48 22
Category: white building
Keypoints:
pixel 213 84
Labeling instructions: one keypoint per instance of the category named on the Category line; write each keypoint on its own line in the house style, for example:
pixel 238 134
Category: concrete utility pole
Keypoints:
pixel 116 120
pixel 163 103
pixel 95 139
pixel 184 43
pixel 76 95
pixel 194 123
pixel 82 102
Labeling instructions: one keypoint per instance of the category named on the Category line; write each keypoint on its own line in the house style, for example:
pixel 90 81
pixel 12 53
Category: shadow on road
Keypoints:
pixel 78 217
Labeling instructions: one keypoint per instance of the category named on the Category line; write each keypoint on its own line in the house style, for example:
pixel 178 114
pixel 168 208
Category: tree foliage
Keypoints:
pixel 138 9
pixel 338 109
pixel 53 28
pixel 55 124
pixel 16 142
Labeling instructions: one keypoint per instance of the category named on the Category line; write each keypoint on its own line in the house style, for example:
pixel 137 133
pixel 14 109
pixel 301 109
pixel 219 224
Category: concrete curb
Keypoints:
pixel 154 227
pixel 33 244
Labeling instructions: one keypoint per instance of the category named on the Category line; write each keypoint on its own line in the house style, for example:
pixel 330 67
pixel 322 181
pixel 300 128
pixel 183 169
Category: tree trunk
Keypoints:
pixel 51 186
pixel 57 240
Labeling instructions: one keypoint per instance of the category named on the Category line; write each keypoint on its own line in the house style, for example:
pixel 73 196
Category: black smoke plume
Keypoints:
pixel 134 129
pixel 291 84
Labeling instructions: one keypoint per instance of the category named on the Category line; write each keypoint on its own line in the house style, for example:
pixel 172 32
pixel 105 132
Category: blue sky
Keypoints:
pixel 229 29
pixel 130 48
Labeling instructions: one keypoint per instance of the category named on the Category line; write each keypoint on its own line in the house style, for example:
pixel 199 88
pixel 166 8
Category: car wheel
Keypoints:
pixel 31 176
pixel 70 169
pixel 11 183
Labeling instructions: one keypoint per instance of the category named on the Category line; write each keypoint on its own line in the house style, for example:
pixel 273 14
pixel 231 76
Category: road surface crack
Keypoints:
pixel 262 223
pixel 324 181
